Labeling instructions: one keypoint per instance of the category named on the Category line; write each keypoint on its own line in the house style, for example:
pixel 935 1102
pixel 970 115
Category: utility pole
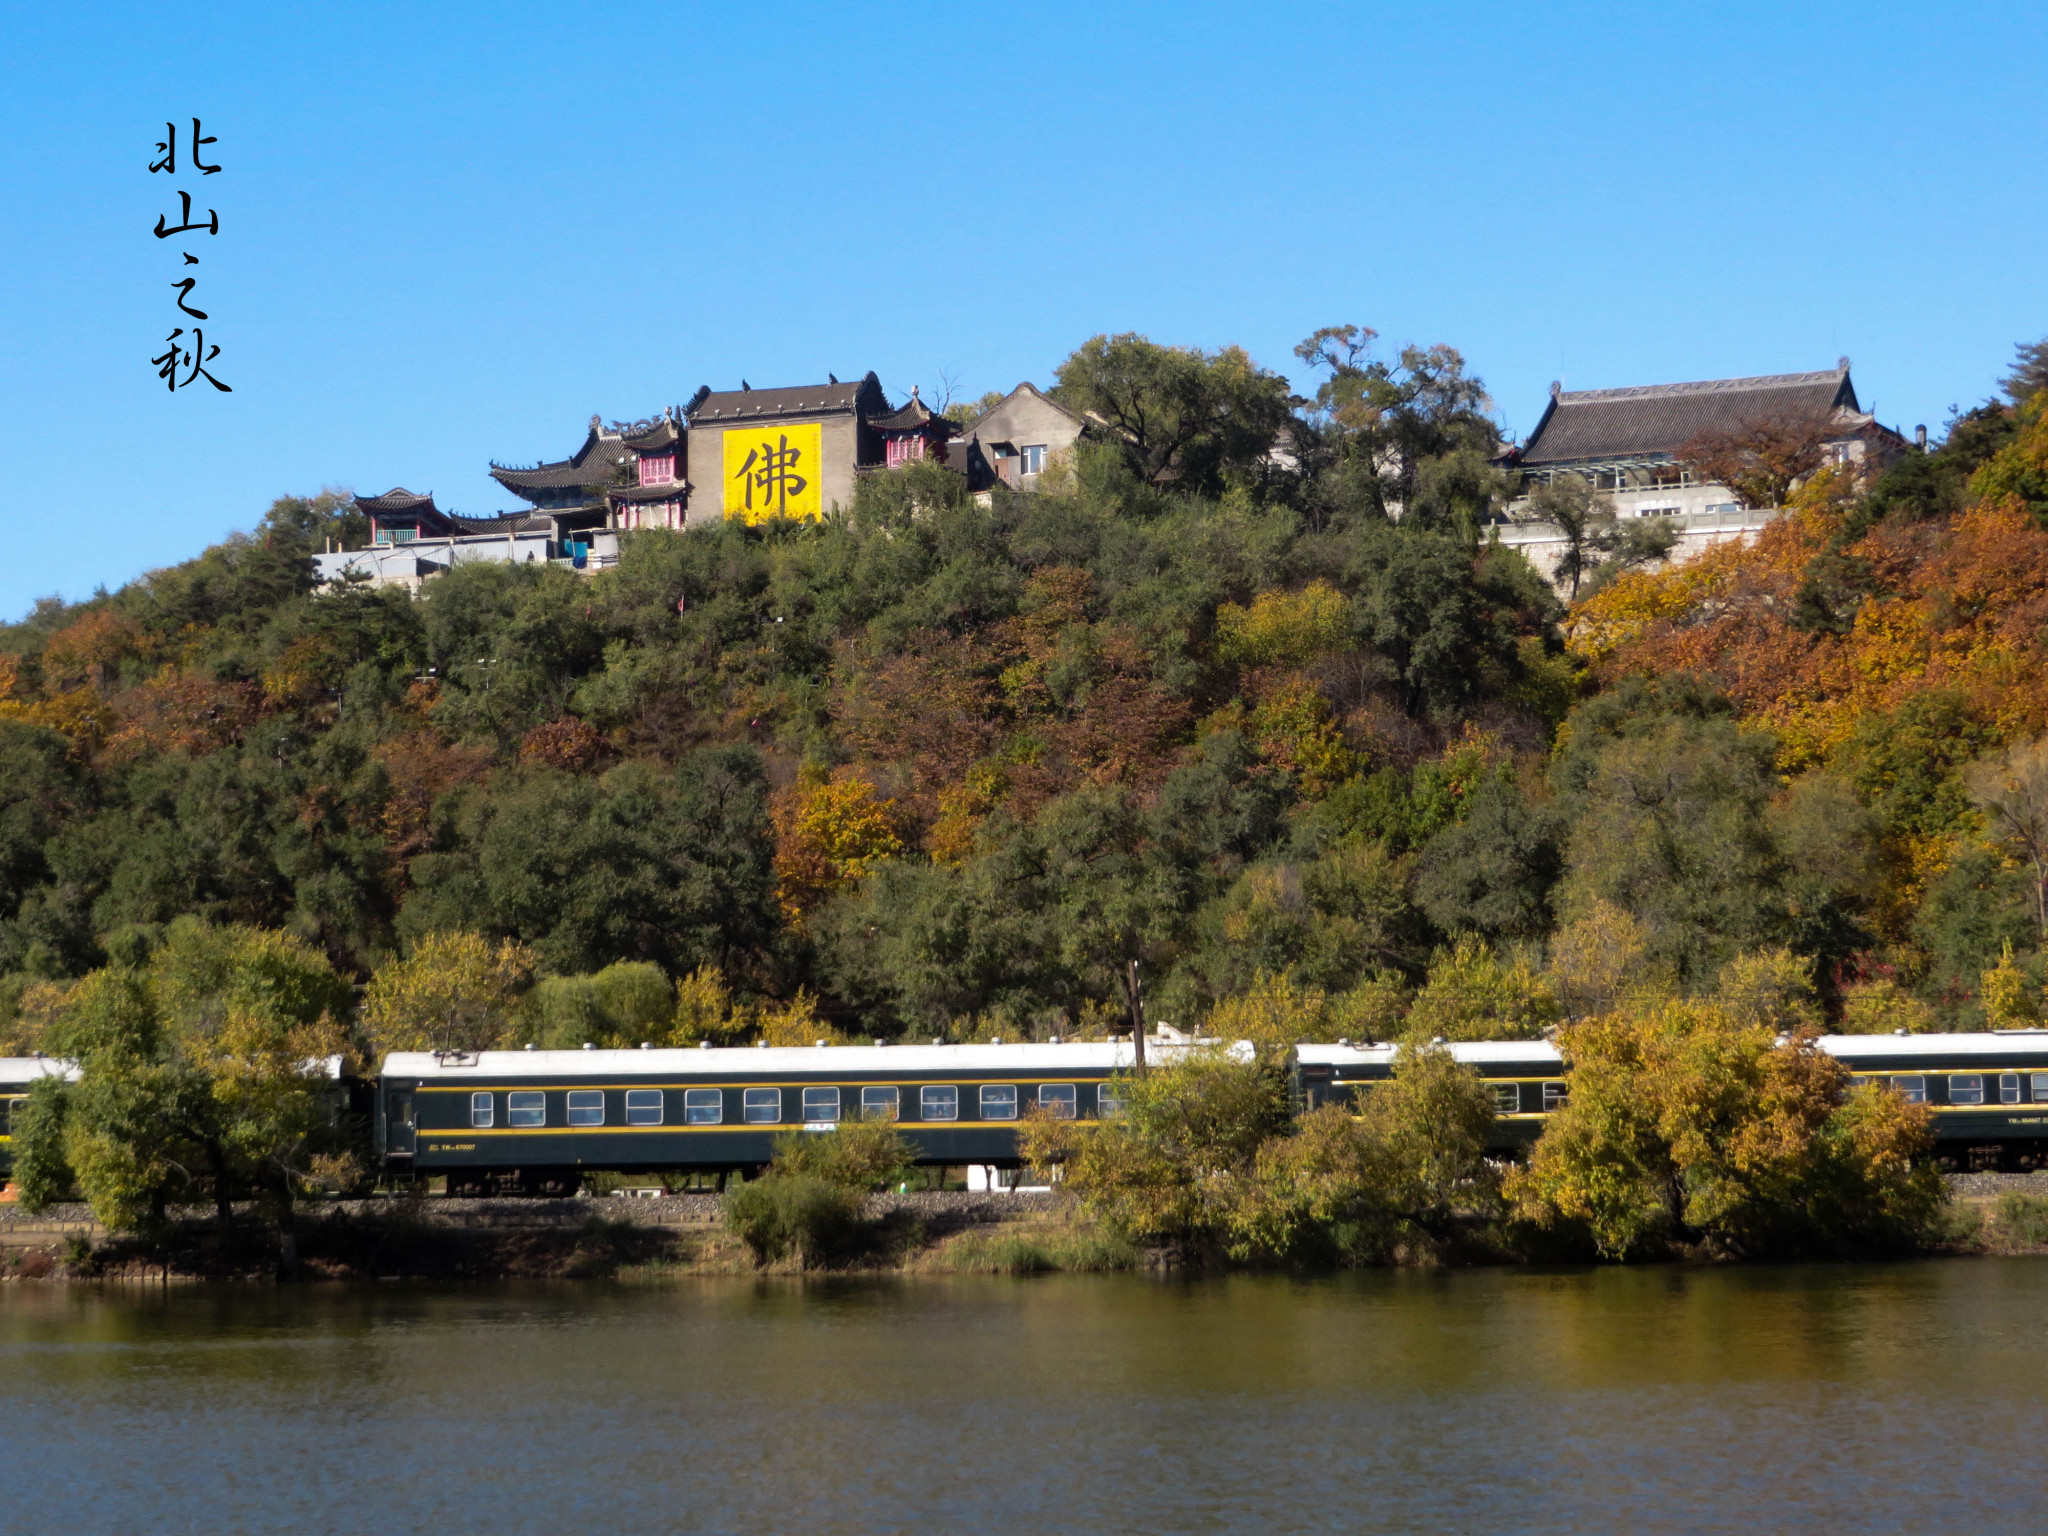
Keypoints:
pixel 1137 1023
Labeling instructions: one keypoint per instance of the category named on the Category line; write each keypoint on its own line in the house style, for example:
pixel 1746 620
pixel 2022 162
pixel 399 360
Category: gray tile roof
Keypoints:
pixel 909 417
pixel 399 499
pixel 507 522
pixel 673 490
pixel 1659 419
pixel 591 465
pixel 726 407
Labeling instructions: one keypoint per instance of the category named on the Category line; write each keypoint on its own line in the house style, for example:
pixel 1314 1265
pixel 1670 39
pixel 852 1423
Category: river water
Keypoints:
pixel 1759 1400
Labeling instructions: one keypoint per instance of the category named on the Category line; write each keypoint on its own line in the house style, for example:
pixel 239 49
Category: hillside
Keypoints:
pixel 932 767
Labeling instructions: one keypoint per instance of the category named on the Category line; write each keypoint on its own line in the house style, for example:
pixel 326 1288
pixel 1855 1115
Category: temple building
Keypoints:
pixel 573 490
pixel 1011 442
pixel 656 493
pixel 1627 441
pixel 757 454
pixel 913 434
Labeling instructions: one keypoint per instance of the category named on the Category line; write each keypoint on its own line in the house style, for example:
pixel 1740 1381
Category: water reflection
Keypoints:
pixel 1653 1400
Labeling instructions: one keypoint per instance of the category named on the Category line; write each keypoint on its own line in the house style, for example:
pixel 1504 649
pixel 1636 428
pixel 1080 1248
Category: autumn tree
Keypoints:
pixel 1759 461
pixel 1688 1125
pixel 207 1071
pixel 2011 790
pixel 453 992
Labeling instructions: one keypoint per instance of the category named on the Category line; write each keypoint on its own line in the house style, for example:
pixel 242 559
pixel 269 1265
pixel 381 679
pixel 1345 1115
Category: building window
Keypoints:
pixel 1033 457
pixel 762 1106
pixel 523 1111
pixel 1108 1102
pixel 1554 1096
pixel 1507 1098
pixel 480 1116
pixel 586 1106
pixel 2008 1087
pixel 1966 1088
pixel 706 1106
pixel 657 469
pixel 998 1102
pixel 643 1106
pixel 938 1102
pixel 879 1103
pixel 1912 1088
pixel 821 1106
pixel 1057 1100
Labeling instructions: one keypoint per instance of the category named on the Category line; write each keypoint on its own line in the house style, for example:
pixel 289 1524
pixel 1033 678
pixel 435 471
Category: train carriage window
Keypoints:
pixel 1554 1096
pixel 523 1111
pixel 998 1101
pixel 706 1106
pixel 586 1106
pixel 880 1103
pixel 1912 1088
pixel 762 1106
pixel 1507 1098
pixel 821 1106
pixel 2008 1087
pixel 643 1106
pixel 1057 1100
pixel 1966 1088
pixel 2041 1087
pixel 480 1112
pixel 938 1101
pixel 1108 1102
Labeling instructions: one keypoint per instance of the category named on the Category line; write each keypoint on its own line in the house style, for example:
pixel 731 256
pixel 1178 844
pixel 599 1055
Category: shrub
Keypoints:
pixel 858 1155
pixel 2024 1218
pixel 794 1216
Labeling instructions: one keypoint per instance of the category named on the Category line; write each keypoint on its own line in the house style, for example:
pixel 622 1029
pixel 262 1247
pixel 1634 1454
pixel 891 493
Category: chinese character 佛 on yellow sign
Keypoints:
pixel 773 472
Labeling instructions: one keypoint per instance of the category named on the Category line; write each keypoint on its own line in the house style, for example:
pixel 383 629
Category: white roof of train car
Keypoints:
pixel 1475 1052
pixel 2005 1042
pixel 19 1071
pixel 830 1060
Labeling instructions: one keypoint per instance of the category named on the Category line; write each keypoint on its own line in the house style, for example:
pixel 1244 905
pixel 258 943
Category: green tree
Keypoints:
pixel 207 1071
pixel 1180 416
pixel 1688 1125
pixel 453 992
pixel 1167 1170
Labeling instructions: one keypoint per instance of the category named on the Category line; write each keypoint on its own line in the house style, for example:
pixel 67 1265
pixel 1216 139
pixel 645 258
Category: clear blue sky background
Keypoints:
pixel 451 233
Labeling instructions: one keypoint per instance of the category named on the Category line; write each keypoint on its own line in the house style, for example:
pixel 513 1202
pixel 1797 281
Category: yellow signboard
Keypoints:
pixel 774 472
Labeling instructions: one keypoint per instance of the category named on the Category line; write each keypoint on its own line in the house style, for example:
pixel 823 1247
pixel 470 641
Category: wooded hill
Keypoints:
pixel 934 768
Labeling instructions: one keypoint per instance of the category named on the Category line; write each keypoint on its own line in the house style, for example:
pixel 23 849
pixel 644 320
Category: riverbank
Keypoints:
pixel 620 1237
pixel 581 1238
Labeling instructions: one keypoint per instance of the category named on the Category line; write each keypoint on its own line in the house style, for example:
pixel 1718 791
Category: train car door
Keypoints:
pixel 401 1121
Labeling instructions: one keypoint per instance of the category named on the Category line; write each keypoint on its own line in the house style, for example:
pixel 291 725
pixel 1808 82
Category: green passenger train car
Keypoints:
pixel 1988 1092
pixel 535 1121
pixel 17 1075
pixel 1526 1078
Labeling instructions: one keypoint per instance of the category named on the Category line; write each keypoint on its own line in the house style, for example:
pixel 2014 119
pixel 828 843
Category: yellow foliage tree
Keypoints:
pixel 1273 1014
pixel 2010 1000
pixel 455 992
pixel 1473 994
pixel 829 834
pixel 1686 1124
pixel 1284 628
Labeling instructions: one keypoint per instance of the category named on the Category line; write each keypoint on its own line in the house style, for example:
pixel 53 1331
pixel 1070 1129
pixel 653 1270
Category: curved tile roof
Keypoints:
pixel 1591 424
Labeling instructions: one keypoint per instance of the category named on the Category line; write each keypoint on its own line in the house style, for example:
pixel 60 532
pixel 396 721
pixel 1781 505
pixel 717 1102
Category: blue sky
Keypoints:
pixel 451 233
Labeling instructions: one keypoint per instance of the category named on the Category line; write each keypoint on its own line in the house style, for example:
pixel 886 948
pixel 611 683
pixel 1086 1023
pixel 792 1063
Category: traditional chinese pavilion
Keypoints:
pixel 912 433
pixel 658 492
